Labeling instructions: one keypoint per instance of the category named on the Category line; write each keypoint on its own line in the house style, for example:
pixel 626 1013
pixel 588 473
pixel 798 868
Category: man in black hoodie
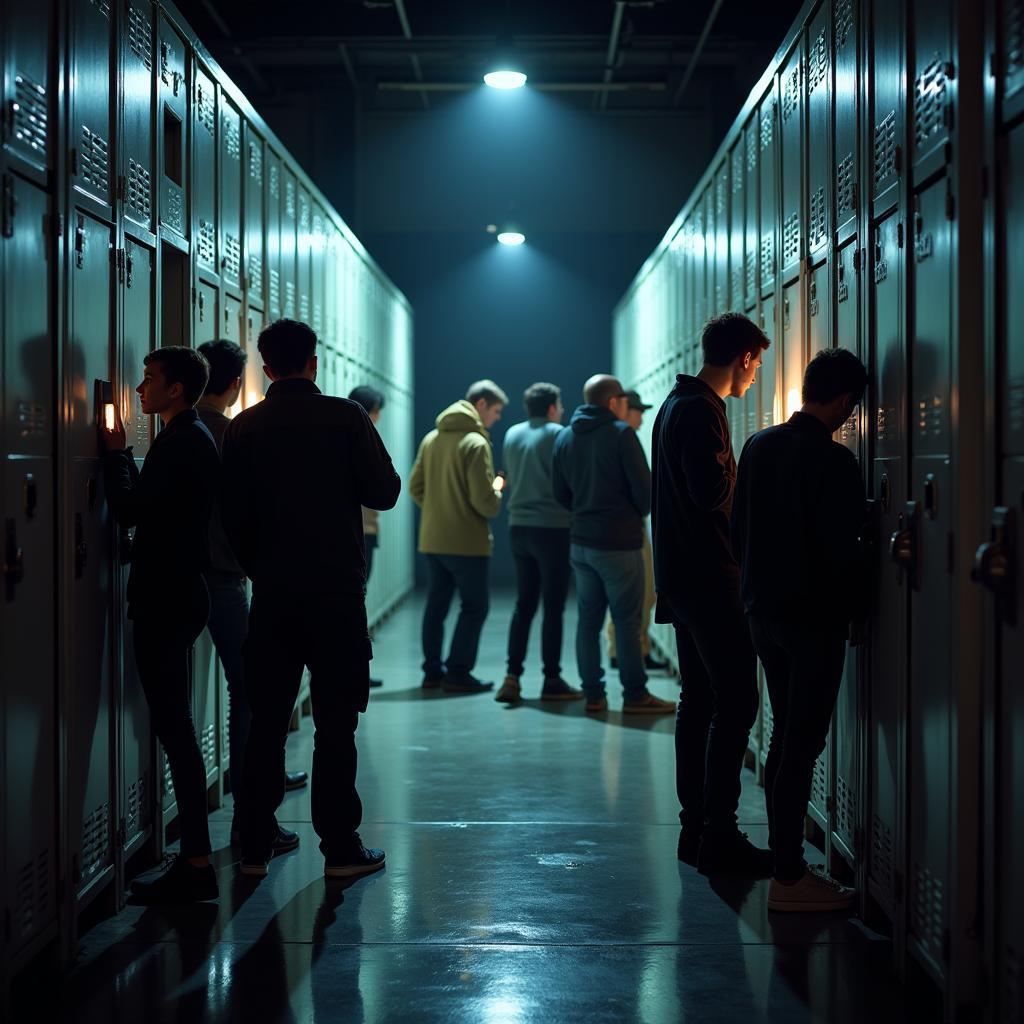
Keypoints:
pixel 600 474
pixel 698 584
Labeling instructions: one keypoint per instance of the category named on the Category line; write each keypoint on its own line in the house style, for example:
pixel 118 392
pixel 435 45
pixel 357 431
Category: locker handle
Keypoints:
pixel 30 494
pixel 14 559
pixel 903 542
pixel 994 560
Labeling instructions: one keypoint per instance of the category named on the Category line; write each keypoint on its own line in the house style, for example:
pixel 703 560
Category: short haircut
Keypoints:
pixel 287 346
pixel 369 398
pixel 227 364
pixel 601 389
pixel 488 391
pixel 184 366
pixel 730 336
pixel 540 397
pixel 833 373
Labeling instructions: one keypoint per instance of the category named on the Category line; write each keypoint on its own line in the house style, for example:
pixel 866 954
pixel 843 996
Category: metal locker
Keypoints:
pixel 230 195
pixel 768 170
pixel 767 378
pixel 172 110
pixel 231 319
pixel 272 252
pixel 88 562
pixel 204 170
pixel 846 91
pixel 289 225
pixel 929 524
pixel 886 76
pixel 888 621
pixel 793 350
pixel 710 266
pixel 91 142
pixel 1010 68
pixel 819 135
pixel 318 259
pixel 304 253
pixel 819 309
pixel 27 84
pixel 255 380
pixel 721 239
pixel 205 688
pixel 931 94
pixel 253 214
pixel 206 323
pixel 737 222
pixel 698 264
pixel 136 143
pixel 791 88
pixel 750 197
pixel 29 858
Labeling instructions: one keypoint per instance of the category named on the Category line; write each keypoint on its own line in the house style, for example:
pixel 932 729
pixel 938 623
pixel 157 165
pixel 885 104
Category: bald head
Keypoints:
pixel 605 391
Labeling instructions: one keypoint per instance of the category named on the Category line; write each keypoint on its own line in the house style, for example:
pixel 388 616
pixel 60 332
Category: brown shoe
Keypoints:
pixel 648 704
pixel 509 692
pixel 558 689
pixel 601 704
pixel 815 892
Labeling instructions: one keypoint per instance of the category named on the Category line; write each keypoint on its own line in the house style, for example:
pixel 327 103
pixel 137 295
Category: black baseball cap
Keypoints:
pixel 634 402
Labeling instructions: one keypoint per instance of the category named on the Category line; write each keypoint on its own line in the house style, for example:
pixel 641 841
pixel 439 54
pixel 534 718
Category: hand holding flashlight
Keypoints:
pixel 112 429
pixel 499 481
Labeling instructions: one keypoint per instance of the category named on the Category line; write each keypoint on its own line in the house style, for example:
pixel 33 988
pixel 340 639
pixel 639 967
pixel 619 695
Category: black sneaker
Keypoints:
pixel 732 853
pixel 254 867
pixel 360 861
pixel 376 683
pixel 614 662
pixel 180 883
pixel 465 684
pixel 295 780
pixel 286 841
pixel 431 682
pixel 558 689
pixel 689 846
pixel 652 664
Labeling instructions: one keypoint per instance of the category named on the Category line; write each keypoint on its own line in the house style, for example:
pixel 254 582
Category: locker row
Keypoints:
pixel 144 203
pixel 869 195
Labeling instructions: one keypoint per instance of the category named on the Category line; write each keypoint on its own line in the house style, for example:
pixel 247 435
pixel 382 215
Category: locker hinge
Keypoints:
pixel 897 886
pixel 10 206
pixel 950 206
pixel 120 265
pixel 899 234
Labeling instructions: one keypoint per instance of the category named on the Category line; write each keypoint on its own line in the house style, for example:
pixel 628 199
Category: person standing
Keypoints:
pixel 229 602
pixel 453 482
pixel 600 474
pixel 697 581
pixel 539 537
pixel 796 528
pixel 297 468
pixel 169 503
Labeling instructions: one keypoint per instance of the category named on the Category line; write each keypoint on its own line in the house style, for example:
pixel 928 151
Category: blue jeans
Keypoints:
pixel 446 574
pixel 609 580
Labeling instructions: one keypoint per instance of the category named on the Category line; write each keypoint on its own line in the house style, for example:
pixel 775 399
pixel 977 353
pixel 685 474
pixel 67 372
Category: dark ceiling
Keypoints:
pixel 404 55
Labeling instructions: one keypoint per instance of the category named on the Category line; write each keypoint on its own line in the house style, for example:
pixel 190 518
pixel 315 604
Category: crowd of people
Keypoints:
pixel 762 562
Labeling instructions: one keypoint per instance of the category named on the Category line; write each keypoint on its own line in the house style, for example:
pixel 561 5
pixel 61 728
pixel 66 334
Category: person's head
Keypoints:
pixel 288 349
pixel 370 399
pixel 635 409
pixel 834 383
pixel 174 379
pixel 733 342
pixel 488 399
pixel 227 364
pixel 605 391
pixel 543 401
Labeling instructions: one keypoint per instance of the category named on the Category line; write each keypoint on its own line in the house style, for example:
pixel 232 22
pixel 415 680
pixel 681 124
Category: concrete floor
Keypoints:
pixel 531 876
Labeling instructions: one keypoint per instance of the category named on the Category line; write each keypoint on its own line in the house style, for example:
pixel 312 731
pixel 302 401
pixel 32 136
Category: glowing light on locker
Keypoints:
pixel 252 398
pixel 776 409
pixel 792 401
pixel 505 79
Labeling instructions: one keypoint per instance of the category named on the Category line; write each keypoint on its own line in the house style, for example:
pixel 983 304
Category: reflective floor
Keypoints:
pixel 531 877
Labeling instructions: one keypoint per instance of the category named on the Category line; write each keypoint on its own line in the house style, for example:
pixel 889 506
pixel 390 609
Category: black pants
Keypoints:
pixel 327 633
pixel 542 570
pixel 803 667
pixel 370 545
pixel 163 636
pixel 717 707
pixel 446 574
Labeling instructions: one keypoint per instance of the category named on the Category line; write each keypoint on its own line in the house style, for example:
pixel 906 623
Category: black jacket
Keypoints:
pixel 222 558
pixel 169 503
pixel 694 475
pixel 297 468
pixel 599 472
pixel 797 524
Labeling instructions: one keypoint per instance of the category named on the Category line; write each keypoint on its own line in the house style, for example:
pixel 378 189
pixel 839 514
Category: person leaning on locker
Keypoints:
pixel 229 602
pixel 635 418
pixel 453 482
pixel 698 585
pixel 372 401
pixel 600 473
pixel 169 503
pixel 297 468
pixel 796 528
pixel 538 530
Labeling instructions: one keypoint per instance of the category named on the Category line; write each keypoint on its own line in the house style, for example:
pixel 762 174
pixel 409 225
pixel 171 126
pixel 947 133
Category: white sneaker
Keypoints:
pixel 816 892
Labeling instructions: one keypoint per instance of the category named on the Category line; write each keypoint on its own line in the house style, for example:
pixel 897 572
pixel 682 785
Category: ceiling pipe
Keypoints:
pixel 613 48
pixel 403 19
pixel 697 50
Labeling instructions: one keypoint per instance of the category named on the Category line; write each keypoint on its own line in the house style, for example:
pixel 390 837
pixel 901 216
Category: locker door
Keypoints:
pixel 27 612
pixel 26 83
pixel 768 171
pixel 700 306
pixel 1011 58
pixel 136 779
pixel 768 386
pixel 171 113
pixel 887 92
pixel 846 91
pixel 721 237
pixel 737 223
pixel 230 195
pixel 289 225
pixel 204 171
pixel 89 564
pixel 819 136
pixel 750 198
pixel 304 253
pixel 888 620
pixel 137 140
pixel 272 212
pixel 792 86
pixel 793 350
pixel 930 724
pixel 205 314
pixel 231 319
pixel 931 95
pixel 710 300
pixel 253 213
pixel 317 260
pixel 255 379
pixel 206 686
pixel 91 75
pixel 819 309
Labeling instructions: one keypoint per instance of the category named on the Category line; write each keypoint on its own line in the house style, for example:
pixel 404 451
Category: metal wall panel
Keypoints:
pixel 791 88
pixel 172 125
pixel 230 195
pixel 846 90
pixel 768 164
pixel 253 212
pixel 91 138
pixel 204 170
pixel 27 89
pixel 137 149
pixel 819 135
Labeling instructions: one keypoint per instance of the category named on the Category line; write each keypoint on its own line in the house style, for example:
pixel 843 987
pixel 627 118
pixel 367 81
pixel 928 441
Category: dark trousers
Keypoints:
pixel 163 636
pixel 328 634
pixel 717 707
pixel 370 545
pixel 542 570
pixel 803 667
pixel 445 574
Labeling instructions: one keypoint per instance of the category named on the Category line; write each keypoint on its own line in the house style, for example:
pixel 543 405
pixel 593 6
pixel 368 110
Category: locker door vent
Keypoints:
pixel 141 423
pixel 232 258
pixel 885 147
pixel 135 809
pixel 848 431
pixel 31 419
pixel 255 271
pixel 1013 42
pixel 882 859
pixel 174 207
pixel 273 181
pixel 791 93
pixel 819 784
pixel 207 243
pixel 102 7
pixel 790 239
pixel 817 226
pixel 750 267
pixel 842 18
pixel 845 185
pixel 204 108
pixel 304 308
pixel 767 127
pixel 208 746
pixel 737 283
pixel 255 163
pixel 225 732
pixel 926 910
pixel 140 31
pixel 29 122
pixel 139 190
pixel 289 198
pixel 168 781
pixel 767 258
pixel 751 151
pixel 886 424
pixel 720 196
pixel 232 137
pixel 931 102
pixel 751 418
pixel 289 298
pixel 274 286
pixel 1013 985
pixel 95 834
pixel 846 806
pixel 94 160
pixel 817 65
pixel 318 317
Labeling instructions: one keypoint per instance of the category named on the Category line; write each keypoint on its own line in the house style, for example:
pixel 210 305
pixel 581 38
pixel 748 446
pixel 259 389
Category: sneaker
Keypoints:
pixel 180 883
pixel 648 704
pixel 295 780
pixel 376 683
pixel 253 867
pixel 286 841
pixel 558 689
pixel 652 664
pixel 815 891
pixel 431 682
pixel 732 853
pixel 600 704
pixel 361 861
pixel 465 684
pixel 509 692
pixel 689 845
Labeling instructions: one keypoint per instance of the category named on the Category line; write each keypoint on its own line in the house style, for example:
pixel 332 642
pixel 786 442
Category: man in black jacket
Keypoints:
pixel 796 530
pixel 697 581
pixel 297 468
pixel 600 473
pixel 169 504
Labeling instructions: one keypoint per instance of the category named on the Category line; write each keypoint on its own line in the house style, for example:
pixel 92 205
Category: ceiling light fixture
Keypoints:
pixel 505 78
pixel 511 237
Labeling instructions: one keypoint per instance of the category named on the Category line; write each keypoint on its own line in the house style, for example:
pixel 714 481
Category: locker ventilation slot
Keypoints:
pixel 886 424
pixel 791 95
pixel 102 6
pixel 767 127
pixel 751 151
pixel 304 308
pixel 844 184
pixel 790 239
pixel 318 318
pixel 930 102
pixel 289 199
pixel 29 114
pixel 94 160
pixel 817 224
pixel 819 785
pixel 289 298
pixel 232 137
pixel 95 835
pixel 767 259
pixel 926 910
pixel 843 20
pixel 720 187
pixel 139 35
pixel 737 282
pixel 848 431
pixel 232 256
pixel 273 183
pixel 255 164
pixel 885 147
pixel 168 782
pixel 817 66
pixel 255 272
pixel 208 746
pixel 274 286
pixel 207 243
pixel 737 171
pixel 846 796
pixel 882 854
pixel 931 416
pixel 750 265
pixel 135 807
pixel 141 425
pixel 174 209
pixel 1013 39
pixel 139 190
pixel 204 108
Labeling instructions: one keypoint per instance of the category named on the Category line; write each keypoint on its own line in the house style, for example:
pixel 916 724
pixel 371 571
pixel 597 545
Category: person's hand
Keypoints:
pixel 114 437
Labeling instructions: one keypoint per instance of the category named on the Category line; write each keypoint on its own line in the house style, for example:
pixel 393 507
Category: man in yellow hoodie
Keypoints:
pixel 453 482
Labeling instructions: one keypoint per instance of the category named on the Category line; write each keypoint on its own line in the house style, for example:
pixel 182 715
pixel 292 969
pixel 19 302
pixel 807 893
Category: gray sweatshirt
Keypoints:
pixel 527 454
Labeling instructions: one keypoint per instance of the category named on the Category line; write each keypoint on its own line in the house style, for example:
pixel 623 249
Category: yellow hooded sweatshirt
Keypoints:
pixel 452 481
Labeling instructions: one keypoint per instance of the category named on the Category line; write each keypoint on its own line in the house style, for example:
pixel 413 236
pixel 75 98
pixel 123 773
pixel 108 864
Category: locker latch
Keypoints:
pixel 30 495
pixel 994 560
pixel 10 206
pixel 81 243
pixel 903 542
pixel 14 561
